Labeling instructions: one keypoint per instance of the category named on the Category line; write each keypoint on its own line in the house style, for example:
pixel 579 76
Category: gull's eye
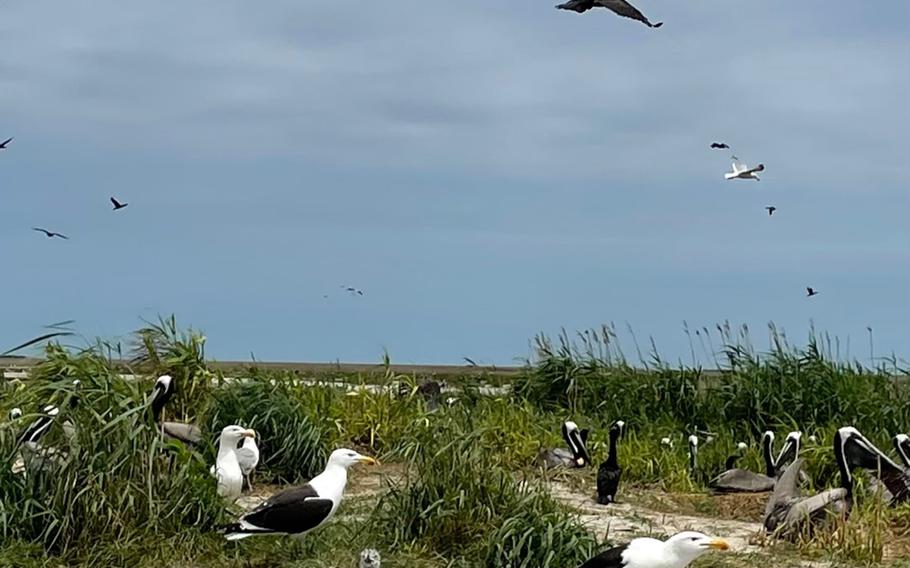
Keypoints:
pixel 694 538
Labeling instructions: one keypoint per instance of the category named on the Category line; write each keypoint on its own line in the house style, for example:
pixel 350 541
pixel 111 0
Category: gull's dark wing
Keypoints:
pixel 577 5
pixel 626 10
pixel 611 558
pixel 293 510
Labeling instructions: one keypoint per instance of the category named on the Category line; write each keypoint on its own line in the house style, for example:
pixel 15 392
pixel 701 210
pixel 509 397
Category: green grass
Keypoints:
pixel 124 498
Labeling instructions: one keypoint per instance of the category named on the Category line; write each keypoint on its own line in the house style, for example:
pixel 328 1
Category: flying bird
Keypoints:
pixel 742 171
pixel 771 209
pixel 5 143
pixel 618 7
pixel 720 145
pixel 50 234
pixel 117 204
pixel 810 291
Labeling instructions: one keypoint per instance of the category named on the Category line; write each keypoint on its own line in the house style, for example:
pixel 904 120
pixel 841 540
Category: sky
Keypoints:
pixel 483 171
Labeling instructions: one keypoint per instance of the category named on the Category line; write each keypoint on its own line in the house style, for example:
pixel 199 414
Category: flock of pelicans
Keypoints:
pixel 300 509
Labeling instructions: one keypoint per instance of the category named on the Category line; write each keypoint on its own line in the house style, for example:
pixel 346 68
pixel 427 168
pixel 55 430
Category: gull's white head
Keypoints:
pixel 15 413
pixel 689 545
pixel 346 458
pixel 231 435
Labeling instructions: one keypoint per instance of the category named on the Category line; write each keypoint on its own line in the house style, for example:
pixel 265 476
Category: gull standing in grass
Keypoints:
pixel 678 551
pixel 248 457
pixel 227 467
pixel 298 510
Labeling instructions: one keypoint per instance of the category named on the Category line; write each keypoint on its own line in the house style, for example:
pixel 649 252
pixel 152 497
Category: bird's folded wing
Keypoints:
pixel 786 488
pixel 811 507
pixel 294 510
pixel 611 558
pixel 187 433
pixel 897 481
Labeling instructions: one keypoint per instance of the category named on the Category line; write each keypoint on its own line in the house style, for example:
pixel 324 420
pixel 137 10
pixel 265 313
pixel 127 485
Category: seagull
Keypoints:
pixel 5 143
pixel 771 209
pixel 678 551
pixel 227 467
pixel 117 204
pixel 810 291
pixel 300 509
pixel 248 457
pixel 720 145
pixel 50 234
pixel 618 7
pixel 369 558
pixel 742 171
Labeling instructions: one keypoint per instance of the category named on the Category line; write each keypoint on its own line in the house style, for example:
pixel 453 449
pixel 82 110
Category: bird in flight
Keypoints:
pixel 50 234
pixel 352 290
pixel 720 146
pixel 618 7
pixel 771 209
pixel 742 171
pixel 810 291
pixel 5 143
pixel 117 204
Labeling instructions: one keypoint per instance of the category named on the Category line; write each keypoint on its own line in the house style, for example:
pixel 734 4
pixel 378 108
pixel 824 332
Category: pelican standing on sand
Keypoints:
pixel 298 510
pixel 609 472
pixel 678 551
pixel 227 468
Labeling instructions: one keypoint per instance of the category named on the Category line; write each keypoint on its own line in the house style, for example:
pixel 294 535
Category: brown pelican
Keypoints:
pixel 619 7
pixel 575 456
pixel 789 514
pixel 902 446
pixel 164 389
pixel 609 472
pixel 736 480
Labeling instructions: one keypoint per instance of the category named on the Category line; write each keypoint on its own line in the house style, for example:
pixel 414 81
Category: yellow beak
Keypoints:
pixel 249 434
pixel 718 544
pixel 368 460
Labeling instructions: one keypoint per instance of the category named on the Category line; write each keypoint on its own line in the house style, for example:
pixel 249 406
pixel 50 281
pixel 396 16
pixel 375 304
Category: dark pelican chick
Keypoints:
pixel 789 514
pixel 164 390
pixel 736 480
pixel 678 551
pixel 609 472
pixel 575 456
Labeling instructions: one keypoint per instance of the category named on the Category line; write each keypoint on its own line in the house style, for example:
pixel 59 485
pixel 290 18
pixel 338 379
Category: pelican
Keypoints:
pixel 609 472
pixel 788 513
pixel 902 446
pixel 736 480
pixel 164 389
pixel 742 171
pixel 575 456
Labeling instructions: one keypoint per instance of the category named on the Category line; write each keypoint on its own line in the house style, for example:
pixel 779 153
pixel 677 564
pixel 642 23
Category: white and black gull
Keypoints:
pixel 678 551
pixel 298 510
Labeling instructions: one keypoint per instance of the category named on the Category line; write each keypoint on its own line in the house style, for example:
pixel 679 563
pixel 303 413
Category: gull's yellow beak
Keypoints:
pixel 718 544
pixel 368 460
pixel 249 434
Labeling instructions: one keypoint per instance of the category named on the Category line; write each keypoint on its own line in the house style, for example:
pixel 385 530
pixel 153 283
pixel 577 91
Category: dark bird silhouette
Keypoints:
pixel 50 234
pixel 771 209
pixel 720 145
pixel 609 473
pixel 117 204
pixel 810 291
pixel 618 7
pixel 353 291
pixel 5 143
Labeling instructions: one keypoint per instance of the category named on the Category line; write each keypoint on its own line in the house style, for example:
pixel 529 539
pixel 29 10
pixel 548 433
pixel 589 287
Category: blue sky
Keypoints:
pixel 482 170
